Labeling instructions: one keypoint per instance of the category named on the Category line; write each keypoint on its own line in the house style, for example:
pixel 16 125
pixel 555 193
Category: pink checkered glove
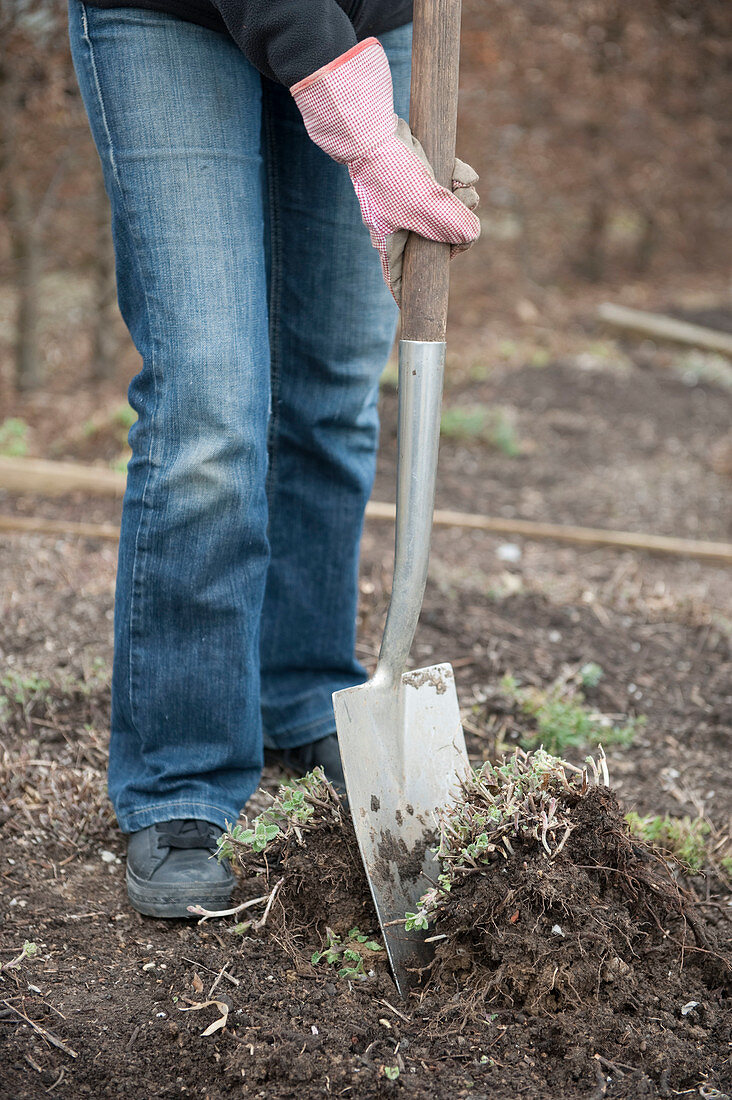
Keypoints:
pixel 348 110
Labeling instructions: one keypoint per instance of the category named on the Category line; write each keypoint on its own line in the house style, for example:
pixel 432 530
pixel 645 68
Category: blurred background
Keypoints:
pixel 600 131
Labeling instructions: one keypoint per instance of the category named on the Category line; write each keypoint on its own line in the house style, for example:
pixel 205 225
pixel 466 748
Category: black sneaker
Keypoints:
pixel 169 867
pixel 323 753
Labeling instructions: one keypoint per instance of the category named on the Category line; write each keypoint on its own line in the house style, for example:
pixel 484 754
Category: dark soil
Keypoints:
pixel 323 882
pixel 510 1010
pixel 597 955
pixel 626 447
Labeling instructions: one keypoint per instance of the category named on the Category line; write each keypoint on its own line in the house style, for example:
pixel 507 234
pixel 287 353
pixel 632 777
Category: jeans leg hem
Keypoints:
pixel 303 735
pixel 166 811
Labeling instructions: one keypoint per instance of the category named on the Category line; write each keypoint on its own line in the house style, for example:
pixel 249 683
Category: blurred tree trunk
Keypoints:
pixel 647 244
pixel 105 344
pixel 28 257
pixel 590 263
pixel 23 231
pixel 34 76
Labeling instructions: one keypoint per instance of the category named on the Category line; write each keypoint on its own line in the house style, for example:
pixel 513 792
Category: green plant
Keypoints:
pixel 483 423
pixel 347 954
pixel 110 425
pixel 479 372
pixel 119 465
pixel 415 921
pixel 507 349
pixel 29 949
pixel 391 1072
pixel 257 838
pixel 523 797
pixel 561 718
pixel 591 674
pixel 23 690
pixel 684 838
pixel 540 357
pixel 14 437
pixel 90 683
pixel 299 805
pixel 125 416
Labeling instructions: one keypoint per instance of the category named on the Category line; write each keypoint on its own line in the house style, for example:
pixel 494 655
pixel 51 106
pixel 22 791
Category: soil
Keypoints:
pixel 607 436
pixel 510 1010
pixel 586 953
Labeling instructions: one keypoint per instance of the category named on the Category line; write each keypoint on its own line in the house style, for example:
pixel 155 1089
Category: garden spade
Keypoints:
pixel 400 735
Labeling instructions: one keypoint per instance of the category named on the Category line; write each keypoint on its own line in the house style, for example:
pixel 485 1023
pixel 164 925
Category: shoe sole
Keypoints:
pixel 169 902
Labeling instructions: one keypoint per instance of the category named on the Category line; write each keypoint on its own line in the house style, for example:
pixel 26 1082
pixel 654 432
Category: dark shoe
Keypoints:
pixel 323 753
pixel 169 867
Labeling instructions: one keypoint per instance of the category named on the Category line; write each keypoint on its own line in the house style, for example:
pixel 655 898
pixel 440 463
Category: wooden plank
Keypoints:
pixel 658 326
pixel 36 475
pixel 376 510
pixel 586 536
pixel 63 528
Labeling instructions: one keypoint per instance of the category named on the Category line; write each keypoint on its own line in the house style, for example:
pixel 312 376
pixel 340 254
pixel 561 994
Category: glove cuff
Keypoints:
pixel 348 105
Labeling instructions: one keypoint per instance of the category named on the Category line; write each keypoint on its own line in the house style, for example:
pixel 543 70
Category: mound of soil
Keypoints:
pixel 322 882
pixel 592 971
pixel 597 955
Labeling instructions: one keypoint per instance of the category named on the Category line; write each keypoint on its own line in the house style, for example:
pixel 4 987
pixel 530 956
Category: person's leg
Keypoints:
pixel 332 324
pixel 175 112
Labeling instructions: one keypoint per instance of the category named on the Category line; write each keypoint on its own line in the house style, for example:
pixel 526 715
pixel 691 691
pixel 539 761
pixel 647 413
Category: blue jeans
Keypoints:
pixel 251 290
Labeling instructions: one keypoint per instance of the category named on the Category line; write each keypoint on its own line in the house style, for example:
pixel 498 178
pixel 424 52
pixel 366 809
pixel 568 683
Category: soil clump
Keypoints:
pixel 591 968
pixel 599 956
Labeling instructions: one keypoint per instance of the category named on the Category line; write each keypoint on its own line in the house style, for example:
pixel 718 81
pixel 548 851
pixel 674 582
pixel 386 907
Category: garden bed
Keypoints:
pixel 523 623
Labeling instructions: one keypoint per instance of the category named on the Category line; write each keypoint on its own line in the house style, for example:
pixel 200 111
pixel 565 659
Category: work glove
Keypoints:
pixel 348 110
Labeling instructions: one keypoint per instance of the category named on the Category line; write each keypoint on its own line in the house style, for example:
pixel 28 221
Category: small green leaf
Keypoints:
pixel 591 674
pixel 415 921
pixel 355 973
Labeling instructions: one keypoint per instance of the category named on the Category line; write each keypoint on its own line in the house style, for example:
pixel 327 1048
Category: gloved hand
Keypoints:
pixel 348 110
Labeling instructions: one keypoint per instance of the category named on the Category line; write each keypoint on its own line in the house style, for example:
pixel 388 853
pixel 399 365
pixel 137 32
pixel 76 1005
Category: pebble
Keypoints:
pixel 509 551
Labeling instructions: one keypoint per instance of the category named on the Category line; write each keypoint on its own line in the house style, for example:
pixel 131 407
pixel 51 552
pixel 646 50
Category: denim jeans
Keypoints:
pixel 251 290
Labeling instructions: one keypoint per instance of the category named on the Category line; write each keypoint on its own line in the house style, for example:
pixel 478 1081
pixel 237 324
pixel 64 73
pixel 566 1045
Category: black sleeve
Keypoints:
pixel 288 40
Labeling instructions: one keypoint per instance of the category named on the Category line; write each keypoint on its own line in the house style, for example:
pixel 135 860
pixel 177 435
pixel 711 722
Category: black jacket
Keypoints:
pixel 285 39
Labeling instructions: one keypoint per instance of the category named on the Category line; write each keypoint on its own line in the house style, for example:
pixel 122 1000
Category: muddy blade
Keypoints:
pixel 402 749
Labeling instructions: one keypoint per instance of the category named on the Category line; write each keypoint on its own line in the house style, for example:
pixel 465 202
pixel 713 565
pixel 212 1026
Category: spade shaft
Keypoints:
pixel 421 367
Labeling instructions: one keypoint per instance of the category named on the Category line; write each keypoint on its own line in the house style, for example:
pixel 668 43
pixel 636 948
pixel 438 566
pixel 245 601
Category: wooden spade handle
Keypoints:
pixel 433 119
